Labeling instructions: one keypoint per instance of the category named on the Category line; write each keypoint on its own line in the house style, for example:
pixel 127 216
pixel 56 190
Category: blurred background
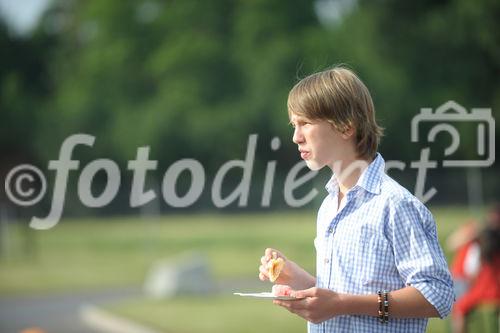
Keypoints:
pixel 194 79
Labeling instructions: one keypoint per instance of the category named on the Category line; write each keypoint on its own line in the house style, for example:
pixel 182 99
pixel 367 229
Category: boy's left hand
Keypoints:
pixel 317 306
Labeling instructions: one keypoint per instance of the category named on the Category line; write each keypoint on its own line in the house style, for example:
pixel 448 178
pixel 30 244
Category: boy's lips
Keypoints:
pixel 304 154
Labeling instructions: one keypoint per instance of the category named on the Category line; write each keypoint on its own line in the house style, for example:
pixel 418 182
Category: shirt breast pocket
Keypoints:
pixel 378 258
pixel 366 255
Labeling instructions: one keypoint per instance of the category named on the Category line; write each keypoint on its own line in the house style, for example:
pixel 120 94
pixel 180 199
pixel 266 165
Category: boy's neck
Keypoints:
pixel 348 172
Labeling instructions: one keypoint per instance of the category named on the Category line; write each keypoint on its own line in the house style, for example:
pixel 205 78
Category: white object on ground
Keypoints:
pixel 185 274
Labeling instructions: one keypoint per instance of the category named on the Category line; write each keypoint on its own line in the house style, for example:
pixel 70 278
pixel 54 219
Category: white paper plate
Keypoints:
pixel 268 295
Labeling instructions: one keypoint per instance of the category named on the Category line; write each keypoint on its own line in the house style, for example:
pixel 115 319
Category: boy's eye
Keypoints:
pixel 300 123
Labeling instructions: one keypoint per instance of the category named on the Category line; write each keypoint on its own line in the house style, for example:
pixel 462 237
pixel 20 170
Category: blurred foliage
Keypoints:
pixel 179 76
pixel 194 79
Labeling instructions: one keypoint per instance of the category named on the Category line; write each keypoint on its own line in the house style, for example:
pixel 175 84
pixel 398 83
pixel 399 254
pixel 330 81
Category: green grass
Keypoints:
pixel 90 254
pixel 211 315
pixel 103 253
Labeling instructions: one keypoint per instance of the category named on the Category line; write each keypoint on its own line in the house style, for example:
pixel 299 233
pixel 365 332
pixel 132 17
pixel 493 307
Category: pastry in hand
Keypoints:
pixel 281 290
pixel 275 266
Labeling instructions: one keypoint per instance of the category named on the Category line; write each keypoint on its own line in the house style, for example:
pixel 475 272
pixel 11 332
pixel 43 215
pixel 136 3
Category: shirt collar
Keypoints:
pixel 369 180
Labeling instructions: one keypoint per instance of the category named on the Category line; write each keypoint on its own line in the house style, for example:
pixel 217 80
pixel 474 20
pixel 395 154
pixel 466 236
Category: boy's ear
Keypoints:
pixel 348 133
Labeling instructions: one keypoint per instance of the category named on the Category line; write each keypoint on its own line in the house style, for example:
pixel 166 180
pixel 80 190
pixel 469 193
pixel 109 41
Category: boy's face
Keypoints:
pixel 319 143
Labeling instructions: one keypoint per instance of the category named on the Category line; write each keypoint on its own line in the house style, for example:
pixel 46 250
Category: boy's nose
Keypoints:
pixel 297 136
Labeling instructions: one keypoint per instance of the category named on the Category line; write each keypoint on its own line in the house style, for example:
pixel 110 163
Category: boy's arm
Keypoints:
pixel 322 304
pixel 418 255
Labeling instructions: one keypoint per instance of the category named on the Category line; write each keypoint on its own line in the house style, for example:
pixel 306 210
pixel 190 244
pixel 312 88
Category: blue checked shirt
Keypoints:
pixel 381 238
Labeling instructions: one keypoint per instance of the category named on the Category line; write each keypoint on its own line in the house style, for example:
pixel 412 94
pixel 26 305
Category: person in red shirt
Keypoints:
pixel 465 264
pixel 484 286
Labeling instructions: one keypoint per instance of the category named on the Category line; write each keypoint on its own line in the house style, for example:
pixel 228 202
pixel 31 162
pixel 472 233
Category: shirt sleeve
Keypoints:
pixel 418 255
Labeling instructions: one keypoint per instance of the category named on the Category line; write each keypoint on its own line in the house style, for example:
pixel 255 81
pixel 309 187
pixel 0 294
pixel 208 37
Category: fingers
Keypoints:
pixel 315 307
pixel 292 306
pixel 263 274
pixel 283 304
pixel 311 292
pixel 271 253
pixel 263 269
pixel 268 253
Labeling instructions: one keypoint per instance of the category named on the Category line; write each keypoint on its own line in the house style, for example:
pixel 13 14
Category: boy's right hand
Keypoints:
pixel 265 260
pixel 292 274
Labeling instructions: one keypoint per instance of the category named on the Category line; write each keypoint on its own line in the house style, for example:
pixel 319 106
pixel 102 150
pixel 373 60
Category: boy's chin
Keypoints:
pixel 313 166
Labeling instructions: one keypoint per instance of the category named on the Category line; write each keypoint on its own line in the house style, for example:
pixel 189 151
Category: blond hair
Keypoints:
pixel 338 96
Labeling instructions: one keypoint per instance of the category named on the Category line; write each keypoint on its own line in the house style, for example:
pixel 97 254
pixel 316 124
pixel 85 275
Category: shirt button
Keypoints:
pixel 327 261
pixel 330 230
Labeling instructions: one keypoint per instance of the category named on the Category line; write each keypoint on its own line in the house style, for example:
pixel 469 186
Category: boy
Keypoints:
pixel 379 264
